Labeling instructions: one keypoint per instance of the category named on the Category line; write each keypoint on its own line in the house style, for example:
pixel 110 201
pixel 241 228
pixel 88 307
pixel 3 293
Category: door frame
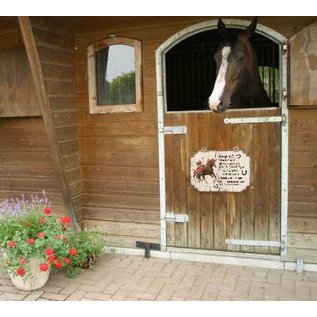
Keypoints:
pixel 161 108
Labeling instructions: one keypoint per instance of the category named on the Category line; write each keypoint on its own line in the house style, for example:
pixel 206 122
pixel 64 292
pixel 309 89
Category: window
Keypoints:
pixel 114 75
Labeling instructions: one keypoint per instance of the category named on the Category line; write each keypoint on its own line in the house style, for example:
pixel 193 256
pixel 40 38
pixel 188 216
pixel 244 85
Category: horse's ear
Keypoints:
pixel 222 29
pixel 250 30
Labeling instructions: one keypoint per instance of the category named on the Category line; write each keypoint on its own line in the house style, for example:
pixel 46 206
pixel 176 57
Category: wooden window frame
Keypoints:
pixel 92 85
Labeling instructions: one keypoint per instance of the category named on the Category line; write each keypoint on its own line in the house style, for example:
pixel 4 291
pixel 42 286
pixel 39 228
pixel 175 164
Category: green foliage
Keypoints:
pixel 90 244
pixel 121 91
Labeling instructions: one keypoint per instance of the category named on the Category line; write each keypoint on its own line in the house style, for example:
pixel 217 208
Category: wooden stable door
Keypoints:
pixel 214 217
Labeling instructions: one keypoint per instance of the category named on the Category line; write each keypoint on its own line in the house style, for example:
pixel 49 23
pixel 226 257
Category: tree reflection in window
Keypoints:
pixel 115 75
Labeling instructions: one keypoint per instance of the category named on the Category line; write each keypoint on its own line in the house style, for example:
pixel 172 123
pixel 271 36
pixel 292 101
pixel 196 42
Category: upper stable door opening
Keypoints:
pixel 191 69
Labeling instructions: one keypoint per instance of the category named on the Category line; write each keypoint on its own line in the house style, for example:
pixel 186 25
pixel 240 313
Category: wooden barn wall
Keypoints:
pixel 26 164
pixel 302 221
pixel 120 151
pixel 54 37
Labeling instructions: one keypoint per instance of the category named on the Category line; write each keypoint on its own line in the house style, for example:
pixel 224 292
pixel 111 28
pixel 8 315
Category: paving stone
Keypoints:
pixel 165 294
pixel 34 295
pixel 52 289
pixel 53 296
pixel 5 281
pixel 11 296
pixel 97 296
pixel 119 295
pixel 313 293
pixel 8 288
pixel 90 288
pixel 155 288
pixel 76 295
pixel 69 289
pixel 302 292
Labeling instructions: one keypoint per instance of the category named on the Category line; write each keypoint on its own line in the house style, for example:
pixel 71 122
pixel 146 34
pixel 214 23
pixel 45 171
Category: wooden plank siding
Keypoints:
pixel 26 163
pixel 10 33
pixel 302 213
pixel 54 79
pixel 18 98
pixel 119 152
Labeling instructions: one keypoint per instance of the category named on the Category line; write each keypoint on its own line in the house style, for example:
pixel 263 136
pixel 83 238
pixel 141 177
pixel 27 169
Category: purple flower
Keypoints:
pixel 17 206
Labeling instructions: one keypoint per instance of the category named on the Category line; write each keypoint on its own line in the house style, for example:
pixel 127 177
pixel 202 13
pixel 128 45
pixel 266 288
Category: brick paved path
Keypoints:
pixel 122 277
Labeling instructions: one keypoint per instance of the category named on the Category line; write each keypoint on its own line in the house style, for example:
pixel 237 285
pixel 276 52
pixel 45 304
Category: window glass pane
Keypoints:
pixel 115 75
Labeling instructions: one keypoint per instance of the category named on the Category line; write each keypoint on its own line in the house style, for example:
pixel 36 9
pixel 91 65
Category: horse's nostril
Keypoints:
pixel 220 108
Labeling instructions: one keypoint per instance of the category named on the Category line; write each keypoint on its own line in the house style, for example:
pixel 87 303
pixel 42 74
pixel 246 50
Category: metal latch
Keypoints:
pixel 173 130
pixel 182 218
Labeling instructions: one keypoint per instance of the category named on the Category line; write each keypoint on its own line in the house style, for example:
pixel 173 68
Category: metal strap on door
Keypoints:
pixel 256 243
pixel 275 119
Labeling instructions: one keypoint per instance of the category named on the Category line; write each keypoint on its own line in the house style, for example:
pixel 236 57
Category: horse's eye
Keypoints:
pixel 240 58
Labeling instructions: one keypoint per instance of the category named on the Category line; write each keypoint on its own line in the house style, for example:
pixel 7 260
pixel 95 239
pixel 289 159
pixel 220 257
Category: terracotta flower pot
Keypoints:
pixel 34 277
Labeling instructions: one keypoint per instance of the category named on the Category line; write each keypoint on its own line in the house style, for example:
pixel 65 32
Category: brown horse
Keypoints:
pixel 203 170
pixel 238 83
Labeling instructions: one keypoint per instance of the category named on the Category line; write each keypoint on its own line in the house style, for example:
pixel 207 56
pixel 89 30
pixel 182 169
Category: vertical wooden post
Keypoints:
pixel 43 99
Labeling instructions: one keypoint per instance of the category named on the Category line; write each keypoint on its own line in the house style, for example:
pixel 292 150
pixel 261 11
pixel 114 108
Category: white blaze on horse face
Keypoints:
pixel 214 99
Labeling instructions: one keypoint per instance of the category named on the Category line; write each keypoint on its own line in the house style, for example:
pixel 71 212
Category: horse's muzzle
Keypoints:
pixel 220 108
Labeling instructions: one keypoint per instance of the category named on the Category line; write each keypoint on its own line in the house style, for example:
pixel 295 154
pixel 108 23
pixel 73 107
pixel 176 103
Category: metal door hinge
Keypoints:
pixel 284 49
pixel 257 243
pixel 253 120
pixel 284 94
pixel 173 130
pixel 182 218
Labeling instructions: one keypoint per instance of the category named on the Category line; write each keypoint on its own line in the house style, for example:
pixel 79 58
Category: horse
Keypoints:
pixel 203 170
pixel 238 83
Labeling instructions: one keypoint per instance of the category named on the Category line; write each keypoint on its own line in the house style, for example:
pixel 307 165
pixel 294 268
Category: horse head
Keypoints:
pixel 211 162
pixel 238 83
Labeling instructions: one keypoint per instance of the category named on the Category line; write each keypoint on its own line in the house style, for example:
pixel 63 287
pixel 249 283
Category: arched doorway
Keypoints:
pixel 252 219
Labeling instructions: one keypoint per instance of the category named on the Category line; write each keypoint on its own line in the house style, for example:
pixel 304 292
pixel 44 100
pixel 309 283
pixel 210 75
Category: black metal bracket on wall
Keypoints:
pixel 147 246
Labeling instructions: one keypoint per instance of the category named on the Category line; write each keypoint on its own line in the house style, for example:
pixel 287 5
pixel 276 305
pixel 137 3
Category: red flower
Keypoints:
pixel 51 259
pixel 58 264
pixel 20 271
pixel 42 220
pixel 72 251
pixel 40 235
pixel 49 251
pixel 22 261
pixel 67 261
pixel 11 244
pixel 65 220
pixel 47 211
pixel 30 241
pixel 44 267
